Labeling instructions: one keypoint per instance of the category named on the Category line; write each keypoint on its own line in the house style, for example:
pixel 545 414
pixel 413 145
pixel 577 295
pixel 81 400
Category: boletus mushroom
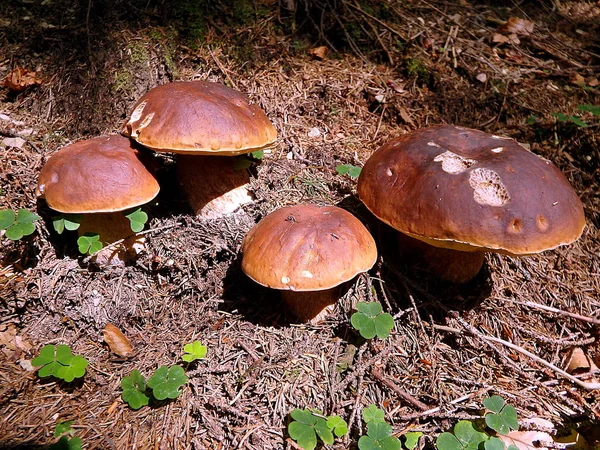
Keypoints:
pixel 308 252
pixel 459 192
pixel 100 178
pixel 205 124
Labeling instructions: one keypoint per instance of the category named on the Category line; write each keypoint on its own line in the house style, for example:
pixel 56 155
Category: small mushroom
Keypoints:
pixel 192 118
pixel 99 178
pixel 463 192
pixel 308 252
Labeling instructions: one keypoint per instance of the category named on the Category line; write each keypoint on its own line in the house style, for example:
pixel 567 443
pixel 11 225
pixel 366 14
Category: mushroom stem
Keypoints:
pixel 213 186
pixel 112 227
pixel 311 306
pixel 451 265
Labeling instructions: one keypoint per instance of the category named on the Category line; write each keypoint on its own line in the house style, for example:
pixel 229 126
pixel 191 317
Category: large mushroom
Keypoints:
pixel 100 178
pixel 463 192
pixel 192 118
pixel 308 252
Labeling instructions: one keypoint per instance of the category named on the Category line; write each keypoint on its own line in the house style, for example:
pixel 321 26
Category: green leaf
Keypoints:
pixel 18 230
pixel 504 421
pixel 447 441
pixel 258 154
pixel 305 435
pixel 560 117
pixel 241 163
pixel 494 443
pixel 89 243
pixel 469 437
pixel 194 351
pixel 531 120
pixel 373 414
pixel 495 403
pixel 379 436
pixel 348 169
pixel 46 359
pixel 383 325
pixel 166 381
pixel 365 325
pixel 62 428
pixel 7 218
pixel 323 431
pixel 24 216
pixel 69 222
pixel 337 425
pixel 58 361
pixel 577 121
pixel 304 416
pixel 75 369
pixel 370 321
pixel 594 109
pixel 65 443
pixel 134 390
pixel 411 439
pixel 369 309
pixel 137 220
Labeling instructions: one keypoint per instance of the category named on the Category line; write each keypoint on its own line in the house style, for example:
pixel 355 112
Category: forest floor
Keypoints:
pixel 392 67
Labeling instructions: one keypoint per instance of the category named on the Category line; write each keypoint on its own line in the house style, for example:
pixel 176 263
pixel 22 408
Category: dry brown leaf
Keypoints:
pixel 319 52
pixel 593 82
pixel 20 79
pixel 578 362
pixel 517 25
pixel 530 440
pixel 117 341
pixel 500 38
pixel 577 79
pixel 406 117
pixel 397 86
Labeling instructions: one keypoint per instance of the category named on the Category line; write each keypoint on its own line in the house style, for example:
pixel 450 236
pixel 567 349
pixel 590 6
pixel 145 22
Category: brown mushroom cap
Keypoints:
pixel 201 118
pixel 103 174
pixel 464 189
pixel 307 248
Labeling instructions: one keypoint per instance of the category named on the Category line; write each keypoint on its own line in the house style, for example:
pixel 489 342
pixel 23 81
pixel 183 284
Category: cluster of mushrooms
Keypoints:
pixel 453 193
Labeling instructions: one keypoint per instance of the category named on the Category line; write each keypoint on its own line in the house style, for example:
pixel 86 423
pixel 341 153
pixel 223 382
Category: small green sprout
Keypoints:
pixel 17 225
pixel 67 439
pixel 411 439
pixel 69 222
pixel 348 169
pixel 561 117
pixel 379 433
pixel 137 220
pixel 194 351
pixel 258 154
pixel 503 417
pixel 89 243
pixel 307 425
pixel 59 362
pixel 134 390
pixel 166 381
pixel 594 109
pixel 371 321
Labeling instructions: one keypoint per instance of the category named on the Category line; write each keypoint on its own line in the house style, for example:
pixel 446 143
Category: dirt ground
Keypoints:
pixel 392 67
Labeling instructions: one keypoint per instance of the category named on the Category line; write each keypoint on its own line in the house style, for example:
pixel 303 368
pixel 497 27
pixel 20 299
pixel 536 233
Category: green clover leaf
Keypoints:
pixel 373 414
pixel 74 369
pixel 242 162
pixel 258 154
pixel 595 110
pixel 166 381
pixel 503 417
pixel 411 439
pixel 371 321
pixel 494 443
pixel 307 425
pixel 137 220
pixel 7 218
pixel 379 437
pixel 134 390
pixel 64 222
pixel 89 243
pixel 194 351
pixel 47 359
pixel 74 443
pixel 21 225
pixel 337 425
pixel 349 169
pixel 63 427
pixel 465 437
pixel 58 361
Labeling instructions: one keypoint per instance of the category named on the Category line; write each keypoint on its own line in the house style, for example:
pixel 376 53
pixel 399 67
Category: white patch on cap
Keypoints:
pixel 137 112
pixel 285 280
pixel 488 188
pixel 506 138
pixel 432 144
pixel 498 149
pixel 453 163
pixel 306 274
pixel 389 172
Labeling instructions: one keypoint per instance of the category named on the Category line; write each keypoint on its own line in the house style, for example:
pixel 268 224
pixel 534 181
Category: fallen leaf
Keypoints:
pixel 314 132
pixel 530 440
pixel 577 79
pixel 482 77
pixel 319 52
pixel 117 341
pixel 593 82
pixel 517 25
pixel 397 86
pixel 20 79
pixel 500 38
pixel 14 142
pixel 406 117
pixel 580 363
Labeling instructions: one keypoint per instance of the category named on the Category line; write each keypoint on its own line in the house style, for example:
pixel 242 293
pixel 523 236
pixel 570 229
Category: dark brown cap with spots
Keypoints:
pixel 201 118
pixel 307 248
pixel 103 174
pixel 464 189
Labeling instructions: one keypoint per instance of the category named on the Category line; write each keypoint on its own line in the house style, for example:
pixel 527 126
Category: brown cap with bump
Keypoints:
pixel 464 189
pixel 307 248
pixel 103 174
pixel 199 117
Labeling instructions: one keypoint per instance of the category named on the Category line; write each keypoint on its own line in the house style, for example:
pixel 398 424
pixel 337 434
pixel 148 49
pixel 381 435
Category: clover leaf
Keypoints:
pixel 63 427
pixel 134 390
pixel 349 169
pixel 594 109
pixel 89 243
pixel 411 439
pixel 371 321
pixel 306 426
pixel 465 437
pixel 66 443
pixel 494 443
pixel 19 225
pixel 503 417
pixel 46 359
pixel 7 218
pixel 373 414
pixel 194 351
pixel 75 368
pixel 137 220
pixel 64 222
pixel 379 437
pixel 258 154
pixel 166 381
pixel 337 425
pixel 59 362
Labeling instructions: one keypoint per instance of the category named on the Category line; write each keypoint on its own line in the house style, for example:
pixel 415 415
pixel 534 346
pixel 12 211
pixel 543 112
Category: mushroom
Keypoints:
pixel 307 252
pixel 463 192
pixel 98 178
pixel 193 118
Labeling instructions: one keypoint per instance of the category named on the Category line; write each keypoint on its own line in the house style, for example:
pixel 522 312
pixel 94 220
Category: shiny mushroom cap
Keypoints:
pixel 200 118
pixel 103 174
pixel 307 248
pixel 464 189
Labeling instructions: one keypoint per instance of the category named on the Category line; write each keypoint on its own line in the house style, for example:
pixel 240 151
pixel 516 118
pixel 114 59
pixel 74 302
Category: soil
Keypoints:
pixel 392 67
